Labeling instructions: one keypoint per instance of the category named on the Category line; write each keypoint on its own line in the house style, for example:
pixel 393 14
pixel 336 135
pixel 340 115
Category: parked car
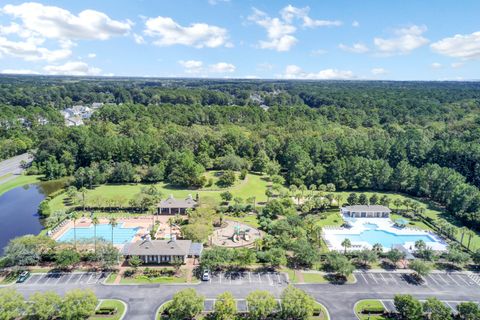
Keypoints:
pixel 206 275
pixel 23 276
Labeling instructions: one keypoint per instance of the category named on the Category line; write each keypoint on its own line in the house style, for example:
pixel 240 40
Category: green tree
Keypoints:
pixel 395 256
pixel 74 217
pixel 421 268
pixel 457 257
pixel 227 179
pixel 82 191
pixel 261 304
pixel 78 304
pixel 346 243
pixel 408 307
pixel 467 311
pixel 226 196
pixel 225 307
pixel 186 304
pixel 108 255
pixel 66 258
pixel 437 310
pixel 95 222
pixel 45 306
pixel 135 262
pixel 12 304
pixel 367 256
pixel 296 304
pixel 113 223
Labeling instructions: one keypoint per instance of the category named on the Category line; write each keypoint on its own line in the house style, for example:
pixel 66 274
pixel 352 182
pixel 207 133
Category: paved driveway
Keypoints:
pixel 12 166
pixel 64 278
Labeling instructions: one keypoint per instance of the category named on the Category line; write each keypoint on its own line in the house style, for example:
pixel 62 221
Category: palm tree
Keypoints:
pixel 171 222
pixel 83 190
pixel 74 217
pixel 346 243
pixel 470 236
pixel 95 221
pixel 377 247
pixel 113 222
pixel 397 203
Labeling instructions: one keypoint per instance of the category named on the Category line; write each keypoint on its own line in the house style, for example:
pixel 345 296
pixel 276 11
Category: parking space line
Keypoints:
pixel 79 278
pixel 371 276
pixel 363 276
pixel 259 278
pixel 249 277
pixel 440 277
pixel 453 279
pixel 448 304
pixel 381 275
pixel 393 278
pixel 278 278
pixel 433 279
pixel 384 306
pixel 269 279
pixel 90 278
pixel 465 281
pixel 69 278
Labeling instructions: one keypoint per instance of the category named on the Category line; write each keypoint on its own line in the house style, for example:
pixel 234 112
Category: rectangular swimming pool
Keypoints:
pixel 121 235
pixel 385 238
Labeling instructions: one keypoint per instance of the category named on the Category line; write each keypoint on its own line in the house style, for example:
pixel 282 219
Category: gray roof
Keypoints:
pixel 158 247
pixel 196 249
pixel 408 255
pixel 364 208
pixel 171 202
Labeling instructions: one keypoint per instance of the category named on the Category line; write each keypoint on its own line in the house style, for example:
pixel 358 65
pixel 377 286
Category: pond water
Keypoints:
pixel 18 210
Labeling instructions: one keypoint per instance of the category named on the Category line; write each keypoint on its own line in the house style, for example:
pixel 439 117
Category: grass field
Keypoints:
pixel 18 182
pixel 361 305
pixel 253 186
pixel 111 303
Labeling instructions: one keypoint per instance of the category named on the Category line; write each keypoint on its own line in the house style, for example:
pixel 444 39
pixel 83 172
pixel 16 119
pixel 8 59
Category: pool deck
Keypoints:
pixel 384 224
pixel 143 223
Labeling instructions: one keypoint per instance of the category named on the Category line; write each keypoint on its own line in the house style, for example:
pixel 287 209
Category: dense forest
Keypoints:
pixel 420 138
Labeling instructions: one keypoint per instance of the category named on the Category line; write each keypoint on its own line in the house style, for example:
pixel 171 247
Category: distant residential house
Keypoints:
pixel 162 251
pixel 365 211
pixel 176 206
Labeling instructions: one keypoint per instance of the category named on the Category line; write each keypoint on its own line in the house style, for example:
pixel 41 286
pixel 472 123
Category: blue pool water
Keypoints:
pixel 121 235
pixel 372 235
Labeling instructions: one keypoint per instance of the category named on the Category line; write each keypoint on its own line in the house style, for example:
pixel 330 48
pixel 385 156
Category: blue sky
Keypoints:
pixel 341 39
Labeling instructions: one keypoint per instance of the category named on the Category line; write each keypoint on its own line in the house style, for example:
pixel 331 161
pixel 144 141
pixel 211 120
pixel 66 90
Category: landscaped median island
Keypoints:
pixel 293 303
pixel 370 310
pixel 110 309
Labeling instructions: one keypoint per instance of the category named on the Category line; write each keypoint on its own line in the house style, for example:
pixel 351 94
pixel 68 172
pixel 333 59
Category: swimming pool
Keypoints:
pixel 373 235
pixel 121 235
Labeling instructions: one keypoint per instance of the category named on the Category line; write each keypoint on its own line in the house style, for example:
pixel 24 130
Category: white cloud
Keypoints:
pixel 73 68
pixel 355 24
pixel 167 32
pixel 436 65
pixel 405 40
pixel 92 55
pixel 222 67
pixel 457 65
pixel 355 48
pixel 465 46
pixel 39 23
pixel 295 72
pixel 138 39
pixel 289 13
pixel 378 71
pixel 31 50
pixel 215 2
pixel 19 71
pixel 58 23
pixel 318 52
pixel 280 30
pixel 191 66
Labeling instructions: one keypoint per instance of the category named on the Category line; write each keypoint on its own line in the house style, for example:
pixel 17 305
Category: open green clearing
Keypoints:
pixel 111 303
pixel 18 182
pixel 253 186
pixel 367 304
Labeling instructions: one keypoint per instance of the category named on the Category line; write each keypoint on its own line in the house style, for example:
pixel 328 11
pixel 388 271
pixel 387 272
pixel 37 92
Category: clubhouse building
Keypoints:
pixel 365 211
pixel 176 206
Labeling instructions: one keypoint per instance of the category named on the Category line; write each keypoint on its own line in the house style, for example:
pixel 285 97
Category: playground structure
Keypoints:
pixel 234 235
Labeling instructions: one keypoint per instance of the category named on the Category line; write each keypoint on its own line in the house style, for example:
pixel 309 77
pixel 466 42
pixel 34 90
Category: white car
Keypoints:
pixel 206 275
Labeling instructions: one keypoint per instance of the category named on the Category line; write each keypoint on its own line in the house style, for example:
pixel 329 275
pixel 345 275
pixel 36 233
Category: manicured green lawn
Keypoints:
pixel 253 186
pixel 332 218
pixel 5 176
pixel 323 315
pixel 18 182
pixel 111 277
pixel 368 304
pixel 141 279
pixel 250 220
pixel 111 303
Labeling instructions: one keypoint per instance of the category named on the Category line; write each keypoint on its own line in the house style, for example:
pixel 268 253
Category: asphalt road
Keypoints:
pixel 12 166
pixel 143 300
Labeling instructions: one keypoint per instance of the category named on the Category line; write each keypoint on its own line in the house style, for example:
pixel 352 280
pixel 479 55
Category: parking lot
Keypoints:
pixel 239 278
pixel 434 280
pixel 58 278
pixel 390 306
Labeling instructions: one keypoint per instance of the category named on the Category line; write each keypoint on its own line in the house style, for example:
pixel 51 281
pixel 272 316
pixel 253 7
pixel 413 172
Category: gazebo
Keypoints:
pixel 401 222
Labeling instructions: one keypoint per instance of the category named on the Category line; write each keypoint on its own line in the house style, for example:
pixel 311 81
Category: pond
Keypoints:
pixel 18 211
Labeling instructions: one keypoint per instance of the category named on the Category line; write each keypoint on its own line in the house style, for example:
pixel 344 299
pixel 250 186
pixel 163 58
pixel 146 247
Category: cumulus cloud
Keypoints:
pixel 19 71
pixel 289 13
pixel 73 68
pixel 295 72
pixel 215 2
pixel 58 23
pixel 191 66
pixel 355 48
pixel 197 67
pixel 31 49
pixel 222 67
pixel 465 46
pixel 378 71
pixel 436 65
pixel 457 65
pixel 404 41
pixel 280 30
pixel 167 32
pixel 39 23
pixel 92 55
pixel 355 24
pixel 138 39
